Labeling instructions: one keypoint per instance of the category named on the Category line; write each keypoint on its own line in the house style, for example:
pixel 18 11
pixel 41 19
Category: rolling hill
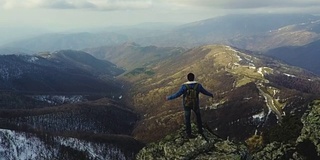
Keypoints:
pixel 298 34
pixel 252 92
pixel 134 56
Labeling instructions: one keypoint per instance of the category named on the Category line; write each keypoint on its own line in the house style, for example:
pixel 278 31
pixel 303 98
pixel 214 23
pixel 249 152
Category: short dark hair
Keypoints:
pixel 190 77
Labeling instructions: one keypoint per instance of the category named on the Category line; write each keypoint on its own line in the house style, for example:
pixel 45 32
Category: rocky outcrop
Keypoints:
pixel 207 146
pixel 310 133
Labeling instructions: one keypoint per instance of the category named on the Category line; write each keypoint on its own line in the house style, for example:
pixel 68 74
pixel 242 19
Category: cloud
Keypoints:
pixel 12 4
pixel 122 4
pixel 240 4
pixel 77 4
pixel 107 5
pixel 247 4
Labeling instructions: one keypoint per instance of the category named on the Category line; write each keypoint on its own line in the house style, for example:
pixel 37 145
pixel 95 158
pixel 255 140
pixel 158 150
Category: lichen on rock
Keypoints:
pixel 207 146
pixel 310 132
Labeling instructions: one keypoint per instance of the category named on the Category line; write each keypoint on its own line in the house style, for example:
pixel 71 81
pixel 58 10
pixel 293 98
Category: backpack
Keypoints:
pixel 190 99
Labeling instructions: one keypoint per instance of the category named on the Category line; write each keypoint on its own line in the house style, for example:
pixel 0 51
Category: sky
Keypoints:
pixel 60 15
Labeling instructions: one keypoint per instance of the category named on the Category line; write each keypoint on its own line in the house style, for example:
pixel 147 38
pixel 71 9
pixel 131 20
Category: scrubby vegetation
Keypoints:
pixel 138 71
pixel 288 130
pixel 297 83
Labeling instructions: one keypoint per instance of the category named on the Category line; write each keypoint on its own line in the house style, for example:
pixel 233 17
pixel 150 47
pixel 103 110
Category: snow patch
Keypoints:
pixel 4 72
pixel 239 58
pixel 59 99
pixel 260 71
pixel 259 116
pixel 212 106
pixel 235 51
pixel 264 70
pixel 33 59
pixel 289 75
pixel 252 67
pixel 247 98
pixel 95 150
pixel 249 59
pixel 14 145
pixel 7 73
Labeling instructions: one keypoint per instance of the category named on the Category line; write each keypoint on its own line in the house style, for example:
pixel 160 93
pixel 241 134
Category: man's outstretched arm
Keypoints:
pixel 176 95
pixel 205 92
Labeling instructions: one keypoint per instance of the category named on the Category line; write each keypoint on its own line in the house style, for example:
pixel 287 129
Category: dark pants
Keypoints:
pixel 187 115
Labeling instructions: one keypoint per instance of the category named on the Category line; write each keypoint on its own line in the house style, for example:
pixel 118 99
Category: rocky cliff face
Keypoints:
pixel 306 146
pixel 310 133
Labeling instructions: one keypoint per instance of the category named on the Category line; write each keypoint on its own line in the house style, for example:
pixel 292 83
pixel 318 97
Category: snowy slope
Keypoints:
pixel 25 146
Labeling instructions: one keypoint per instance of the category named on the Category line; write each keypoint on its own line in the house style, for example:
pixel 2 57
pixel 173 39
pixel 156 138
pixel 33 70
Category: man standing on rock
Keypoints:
pixel 190 91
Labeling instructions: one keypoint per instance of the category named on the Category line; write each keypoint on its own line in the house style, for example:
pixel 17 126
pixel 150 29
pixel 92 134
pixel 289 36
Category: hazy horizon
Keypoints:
pixel 19 19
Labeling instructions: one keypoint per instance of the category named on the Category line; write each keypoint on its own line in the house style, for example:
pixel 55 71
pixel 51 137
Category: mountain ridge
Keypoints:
pixel 44 74
pixel 131 55
pixel 245 81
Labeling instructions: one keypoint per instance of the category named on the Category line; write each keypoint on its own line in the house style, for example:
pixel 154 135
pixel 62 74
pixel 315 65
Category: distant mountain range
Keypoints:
pixel 62 71
pixel 62 41
pixel 254 32
pixel 258 32
pixel 242 31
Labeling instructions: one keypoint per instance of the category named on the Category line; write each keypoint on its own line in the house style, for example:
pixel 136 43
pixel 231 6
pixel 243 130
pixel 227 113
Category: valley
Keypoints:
pixel 103 95
pixel 253 94
pixel 222 70
pixel 270 103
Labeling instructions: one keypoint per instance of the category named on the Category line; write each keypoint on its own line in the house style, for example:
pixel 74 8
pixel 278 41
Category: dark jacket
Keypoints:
pixel 183 91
